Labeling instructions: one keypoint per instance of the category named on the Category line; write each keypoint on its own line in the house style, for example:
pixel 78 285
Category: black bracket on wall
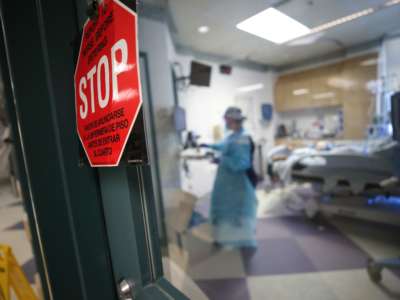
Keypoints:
pixel 92 10
pixel 136 149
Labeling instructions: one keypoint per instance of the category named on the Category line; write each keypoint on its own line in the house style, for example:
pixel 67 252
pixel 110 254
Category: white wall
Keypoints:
pixel 390 62
pixel 205 106
pixel 154 40
pixel 392 48
pixel 388 73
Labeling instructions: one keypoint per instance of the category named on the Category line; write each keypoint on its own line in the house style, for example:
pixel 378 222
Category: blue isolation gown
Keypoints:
pixel 233 200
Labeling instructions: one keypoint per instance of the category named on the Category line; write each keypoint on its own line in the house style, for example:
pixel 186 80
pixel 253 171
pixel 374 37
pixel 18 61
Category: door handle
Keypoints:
pixel 125 289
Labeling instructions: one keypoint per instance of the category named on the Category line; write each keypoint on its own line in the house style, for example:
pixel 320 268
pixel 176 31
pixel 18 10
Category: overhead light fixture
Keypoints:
pixel 273 25
pixel 324 95
pixel 250 88
pixel 343 20
pixel 300 92
pixel 354 16
pixel 392 2
pixel 203 29
pixel 279 28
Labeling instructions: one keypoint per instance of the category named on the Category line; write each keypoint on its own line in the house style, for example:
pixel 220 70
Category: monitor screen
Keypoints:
pixel 395 114
pixel 200 74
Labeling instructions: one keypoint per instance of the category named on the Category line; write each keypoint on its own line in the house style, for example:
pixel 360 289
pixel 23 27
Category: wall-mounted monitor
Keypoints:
pixel 200 74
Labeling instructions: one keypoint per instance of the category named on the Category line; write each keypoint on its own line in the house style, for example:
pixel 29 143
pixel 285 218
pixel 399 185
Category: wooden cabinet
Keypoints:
pixel 293 94
pixel 342 84
pixel 309 89
pixel 281 92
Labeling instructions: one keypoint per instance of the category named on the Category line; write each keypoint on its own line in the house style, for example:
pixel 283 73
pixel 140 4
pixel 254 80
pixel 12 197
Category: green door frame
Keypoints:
pixel 93 227
pixel 64 197
pixel 21 175
pixel 153 153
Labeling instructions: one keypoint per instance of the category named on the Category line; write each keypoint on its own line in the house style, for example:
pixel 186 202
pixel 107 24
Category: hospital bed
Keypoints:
pixel 375 267
pixel 355 180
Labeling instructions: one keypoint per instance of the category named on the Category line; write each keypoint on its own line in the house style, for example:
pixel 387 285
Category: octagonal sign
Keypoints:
pixel 107 83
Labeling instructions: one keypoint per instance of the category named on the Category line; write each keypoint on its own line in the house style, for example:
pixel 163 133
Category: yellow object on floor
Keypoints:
pixel 12 277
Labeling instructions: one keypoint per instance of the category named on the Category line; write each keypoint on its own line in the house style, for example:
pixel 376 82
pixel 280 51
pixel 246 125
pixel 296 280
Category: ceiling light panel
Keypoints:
pixel 274 26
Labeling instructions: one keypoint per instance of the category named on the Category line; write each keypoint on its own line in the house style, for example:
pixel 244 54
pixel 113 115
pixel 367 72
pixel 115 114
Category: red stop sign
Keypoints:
pixel 107 83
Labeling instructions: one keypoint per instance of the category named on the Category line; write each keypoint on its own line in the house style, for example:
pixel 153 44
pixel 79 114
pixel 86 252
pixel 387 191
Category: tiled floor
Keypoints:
pixel 12 231
pixel 216 289
pixel 296 259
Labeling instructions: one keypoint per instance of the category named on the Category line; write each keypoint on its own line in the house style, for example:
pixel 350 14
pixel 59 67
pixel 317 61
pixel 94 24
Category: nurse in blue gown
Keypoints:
pixel 233 200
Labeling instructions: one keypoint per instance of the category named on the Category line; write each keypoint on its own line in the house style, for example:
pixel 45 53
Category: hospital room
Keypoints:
pixel 277 151
pixel 272 135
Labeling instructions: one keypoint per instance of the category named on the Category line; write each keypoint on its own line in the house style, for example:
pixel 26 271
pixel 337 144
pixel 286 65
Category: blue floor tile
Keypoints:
pixel 16 226
pixel 29 269
pixel 276 256
pixel 330 252
pixel 225 289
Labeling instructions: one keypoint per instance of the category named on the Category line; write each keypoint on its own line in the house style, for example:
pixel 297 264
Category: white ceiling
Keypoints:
pixel 155 2
pixel 225 40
